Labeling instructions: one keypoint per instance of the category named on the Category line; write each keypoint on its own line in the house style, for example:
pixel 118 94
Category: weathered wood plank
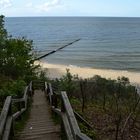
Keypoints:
pixel 26 102
pixel 16 115
pixel 8 127
pixel 56 110
pixel 4 114
pixel 81 119
pixel 46 86
pixel 22 110
pixel 67 127
pixel 46 89
pixel 70 114
pixel 50 93
pixel 25 92
pixel 19 113
pixel 30 86
pixel 17 100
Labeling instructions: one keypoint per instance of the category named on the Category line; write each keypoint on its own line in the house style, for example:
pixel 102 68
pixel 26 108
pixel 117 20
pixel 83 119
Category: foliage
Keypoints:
pixel 66 83
pixel 14 88
pixel 42 75
pixel 113 106
pixel 16 63
pixel 16 59
pixel 11 88
pixel 3 32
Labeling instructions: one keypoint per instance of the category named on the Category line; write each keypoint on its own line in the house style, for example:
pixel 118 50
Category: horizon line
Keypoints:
pixel 74 16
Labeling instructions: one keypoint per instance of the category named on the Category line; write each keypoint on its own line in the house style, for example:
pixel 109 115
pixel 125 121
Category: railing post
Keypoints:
pixel 12 125
pixel 4 114
pixel 31 92
pixel 48 89
pixel 19 109
pixel 50 93
pixel 62 111
pixel 30 89
pixel 55 101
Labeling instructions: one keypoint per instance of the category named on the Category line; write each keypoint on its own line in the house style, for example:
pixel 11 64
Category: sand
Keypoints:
pixel 57 70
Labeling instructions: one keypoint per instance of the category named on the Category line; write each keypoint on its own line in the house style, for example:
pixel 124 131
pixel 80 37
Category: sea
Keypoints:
pixel 105 42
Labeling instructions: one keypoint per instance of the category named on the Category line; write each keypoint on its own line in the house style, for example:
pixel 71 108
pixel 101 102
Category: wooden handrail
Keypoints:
pixel 70 115
pixel 82 120
pixel 24 100
pixel 6 116
pixel 66 112
pixel 50 93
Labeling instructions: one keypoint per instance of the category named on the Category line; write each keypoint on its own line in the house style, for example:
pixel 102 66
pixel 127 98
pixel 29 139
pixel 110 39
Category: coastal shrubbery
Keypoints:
pixel 111 106
pixel 16 63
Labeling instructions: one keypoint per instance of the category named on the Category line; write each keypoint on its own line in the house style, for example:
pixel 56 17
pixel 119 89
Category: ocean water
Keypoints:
pixel 105 42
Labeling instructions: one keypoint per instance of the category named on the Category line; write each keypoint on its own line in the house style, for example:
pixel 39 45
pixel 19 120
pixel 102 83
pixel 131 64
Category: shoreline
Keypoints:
pixel 58 70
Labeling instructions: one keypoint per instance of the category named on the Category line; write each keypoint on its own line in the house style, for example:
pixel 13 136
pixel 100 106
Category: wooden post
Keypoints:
pixel 19 105
pixel 50 93
pixel 12 125
pixel 62 111
pixel 55 101
pixel 4 114
pixel 12 133
pixel 82 93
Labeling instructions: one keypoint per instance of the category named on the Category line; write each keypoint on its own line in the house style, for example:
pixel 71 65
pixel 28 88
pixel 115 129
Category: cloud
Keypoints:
pixel 5 4
pixel 46 6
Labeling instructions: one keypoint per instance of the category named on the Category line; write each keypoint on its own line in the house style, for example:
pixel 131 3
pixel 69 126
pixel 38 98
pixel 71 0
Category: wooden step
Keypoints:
pixel 38 132
pixel 53 136
pixel 40 125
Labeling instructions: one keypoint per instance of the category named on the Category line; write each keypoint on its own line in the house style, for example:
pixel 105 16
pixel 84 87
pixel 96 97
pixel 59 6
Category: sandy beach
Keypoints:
pixel 57 70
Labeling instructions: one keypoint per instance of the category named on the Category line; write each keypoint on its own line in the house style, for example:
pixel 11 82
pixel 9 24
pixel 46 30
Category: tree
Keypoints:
pixel 16 63
pixel 3 32
pixel 16 57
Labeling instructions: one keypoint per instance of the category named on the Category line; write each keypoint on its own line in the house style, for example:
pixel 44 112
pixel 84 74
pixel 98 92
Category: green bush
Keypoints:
pixel 16 55
pixel 14 88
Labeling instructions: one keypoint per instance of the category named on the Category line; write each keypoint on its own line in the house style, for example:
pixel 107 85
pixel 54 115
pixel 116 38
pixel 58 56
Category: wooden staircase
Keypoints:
pixel 40 124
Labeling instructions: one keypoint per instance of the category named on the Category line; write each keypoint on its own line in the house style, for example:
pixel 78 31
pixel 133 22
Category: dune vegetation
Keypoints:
pixel 112 107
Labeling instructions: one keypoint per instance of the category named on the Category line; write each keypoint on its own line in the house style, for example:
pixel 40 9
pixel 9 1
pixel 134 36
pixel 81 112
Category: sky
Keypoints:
pixel 113 8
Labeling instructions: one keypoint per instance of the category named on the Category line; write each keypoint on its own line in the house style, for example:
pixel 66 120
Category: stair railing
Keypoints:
pixel 69 122
pixel 7 117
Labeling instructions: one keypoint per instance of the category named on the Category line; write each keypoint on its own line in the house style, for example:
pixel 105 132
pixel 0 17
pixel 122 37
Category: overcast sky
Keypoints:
pixel 124 8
